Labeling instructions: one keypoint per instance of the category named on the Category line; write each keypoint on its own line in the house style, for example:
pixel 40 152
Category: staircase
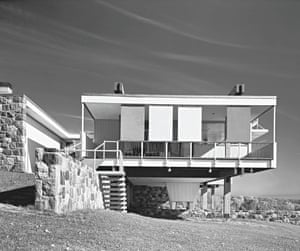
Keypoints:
pixel 114 191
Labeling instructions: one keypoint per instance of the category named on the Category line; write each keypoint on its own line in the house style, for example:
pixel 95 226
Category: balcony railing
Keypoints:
pixel 195 150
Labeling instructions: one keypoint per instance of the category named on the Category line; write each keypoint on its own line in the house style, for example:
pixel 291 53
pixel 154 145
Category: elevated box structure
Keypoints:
pixel 176 140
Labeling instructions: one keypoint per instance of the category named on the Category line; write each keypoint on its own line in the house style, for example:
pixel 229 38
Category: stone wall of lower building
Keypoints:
pixel 153 201
pixel 64 184
pixel 12 133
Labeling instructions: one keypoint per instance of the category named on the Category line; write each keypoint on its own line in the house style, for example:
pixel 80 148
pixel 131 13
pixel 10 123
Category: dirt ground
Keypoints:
pixel 27 229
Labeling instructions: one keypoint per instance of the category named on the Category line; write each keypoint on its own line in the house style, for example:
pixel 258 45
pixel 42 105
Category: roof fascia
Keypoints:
pixel 42 117
pixel 182 100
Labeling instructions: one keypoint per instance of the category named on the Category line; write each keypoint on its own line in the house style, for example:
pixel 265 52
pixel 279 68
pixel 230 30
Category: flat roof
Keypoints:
pixel 142 99
pixel 42 117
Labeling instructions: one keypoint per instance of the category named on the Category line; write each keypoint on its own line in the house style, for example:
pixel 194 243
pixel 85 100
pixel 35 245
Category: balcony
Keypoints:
pixel 196 150
pixel 247 155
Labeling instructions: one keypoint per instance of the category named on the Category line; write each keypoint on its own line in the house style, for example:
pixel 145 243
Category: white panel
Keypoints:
pixel 132 123
pixel 40 137
pixel 182 191
pixel 189 123
pixel 160 123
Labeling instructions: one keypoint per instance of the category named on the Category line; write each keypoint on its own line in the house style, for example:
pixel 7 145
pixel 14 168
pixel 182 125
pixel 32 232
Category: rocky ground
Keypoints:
pixel 27 229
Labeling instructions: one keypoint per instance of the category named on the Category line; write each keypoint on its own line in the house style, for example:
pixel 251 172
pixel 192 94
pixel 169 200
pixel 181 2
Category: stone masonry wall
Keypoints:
pixel 64 184
pixel 12 133
pixel 153 201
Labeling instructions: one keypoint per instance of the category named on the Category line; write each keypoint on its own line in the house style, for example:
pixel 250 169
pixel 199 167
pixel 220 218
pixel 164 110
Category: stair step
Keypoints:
pixel 113 189
pixel 113 178
pixel 107 201
pixel 114 203
pixel 113 195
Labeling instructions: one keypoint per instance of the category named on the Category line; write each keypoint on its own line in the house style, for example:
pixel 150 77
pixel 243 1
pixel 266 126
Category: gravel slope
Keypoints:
pixel 25 229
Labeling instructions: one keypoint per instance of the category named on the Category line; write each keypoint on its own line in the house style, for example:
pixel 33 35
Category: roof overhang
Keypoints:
pixel 43 118
pixel 107 106
pixel 180 100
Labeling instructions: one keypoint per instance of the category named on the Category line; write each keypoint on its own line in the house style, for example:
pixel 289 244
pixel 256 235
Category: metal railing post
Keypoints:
pixel 215 154
pixel 117 143
pixel 191 150
pixel 166 150
pixel 104 149
pixel 95 159
pixel 142 149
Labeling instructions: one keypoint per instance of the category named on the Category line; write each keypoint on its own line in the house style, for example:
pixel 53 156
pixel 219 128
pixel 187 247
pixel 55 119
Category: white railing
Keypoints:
pixel 119 154
pixel 196 150
pixel 72 148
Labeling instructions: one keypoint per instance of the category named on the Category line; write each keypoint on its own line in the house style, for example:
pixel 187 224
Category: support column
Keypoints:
pixel 83 135
pixel 173 205
pixel 191 205
pixel 204 197
pixel 227 197
pixel 213 197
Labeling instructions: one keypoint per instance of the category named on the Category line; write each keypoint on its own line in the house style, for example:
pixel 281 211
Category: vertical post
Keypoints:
pixel 173 205
pixel 227 197
pixel 239 150
pixel 204 195
pixel 215 153
pixel 212 197
pixel 274 138
pixel 104 143
pixel 142 149
pixel 191 150
pixel 82 135
pixel 166 150
pixel 117 144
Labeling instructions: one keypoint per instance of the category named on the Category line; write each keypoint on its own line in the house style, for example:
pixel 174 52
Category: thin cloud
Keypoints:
pixel 167 27
pixel 226 64
pixel 62 29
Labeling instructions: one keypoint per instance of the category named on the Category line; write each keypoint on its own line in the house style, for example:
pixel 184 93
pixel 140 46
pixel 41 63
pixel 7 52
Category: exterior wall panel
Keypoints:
pixel 238 124
pixel 132 123
pixel 160 123
pixel 189 123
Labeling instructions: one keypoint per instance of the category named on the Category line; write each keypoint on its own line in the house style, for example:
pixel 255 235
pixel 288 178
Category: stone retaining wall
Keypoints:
pixel 64 184
pixel 12 133
pixel 153 201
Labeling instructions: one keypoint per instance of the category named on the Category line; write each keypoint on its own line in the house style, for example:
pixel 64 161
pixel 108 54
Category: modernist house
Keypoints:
pixel 181 142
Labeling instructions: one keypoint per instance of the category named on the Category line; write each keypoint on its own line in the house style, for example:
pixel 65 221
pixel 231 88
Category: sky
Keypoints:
pixel 53 51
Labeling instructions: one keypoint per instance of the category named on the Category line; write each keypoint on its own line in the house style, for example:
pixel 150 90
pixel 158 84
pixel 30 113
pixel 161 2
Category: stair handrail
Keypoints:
pixel 72 147
pixel 97 150
pixel 103 150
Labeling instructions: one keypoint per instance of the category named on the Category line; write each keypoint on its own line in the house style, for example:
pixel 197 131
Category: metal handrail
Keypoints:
pixel 238 149
pixel 68 149
pixel 104 150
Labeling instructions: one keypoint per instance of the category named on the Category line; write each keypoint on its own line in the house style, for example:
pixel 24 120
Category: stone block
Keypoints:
pixel 38 189
pixel 67 175
pixel 62 178
pixel 52 203
pixel 52 158
pixel 41 170
pixel 39 153
pixel 39 204
pixel 52 171
pixel 48 187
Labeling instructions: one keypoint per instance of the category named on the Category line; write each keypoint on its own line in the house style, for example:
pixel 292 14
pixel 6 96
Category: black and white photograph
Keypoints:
pixel 142 125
